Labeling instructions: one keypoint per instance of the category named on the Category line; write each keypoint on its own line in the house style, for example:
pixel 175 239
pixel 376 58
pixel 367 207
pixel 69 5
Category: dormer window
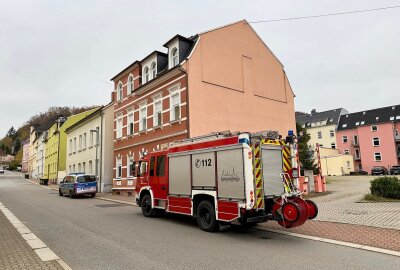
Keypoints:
pixel 130 84
pixel 153 70
pixel 146 75
pixel 174 57
pixel 119 91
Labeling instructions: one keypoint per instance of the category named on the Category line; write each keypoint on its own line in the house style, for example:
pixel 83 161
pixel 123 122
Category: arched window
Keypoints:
pixel 153 70
pixel 174 57
pixel 119 91
pixel 146 75
pixel 130 84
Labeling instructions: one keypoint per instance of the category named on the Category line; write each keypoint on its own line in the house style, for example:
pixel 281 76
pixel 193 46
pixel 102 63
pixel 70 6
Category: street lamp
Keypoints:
pixel 97 144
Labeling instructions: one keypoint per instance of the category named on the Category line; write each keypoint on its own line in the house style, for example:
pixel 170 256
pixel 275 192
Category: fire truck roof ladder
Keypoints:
pixel 268 134
pixel 209 137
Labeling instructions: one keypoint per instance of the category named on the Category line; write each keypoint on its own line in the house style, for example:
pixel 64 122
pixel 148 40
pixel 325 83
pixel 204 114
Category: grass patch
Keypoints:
pixel 376 198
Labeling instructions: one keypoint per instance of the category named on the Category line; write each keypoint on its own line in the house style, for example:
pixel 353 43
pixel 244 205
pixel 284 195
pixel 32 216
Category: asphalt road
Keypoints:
pixel 94 234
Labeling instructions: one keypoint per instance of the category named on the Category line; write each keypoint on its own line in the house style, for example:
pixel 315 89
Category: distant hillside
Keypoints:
pixel 11 142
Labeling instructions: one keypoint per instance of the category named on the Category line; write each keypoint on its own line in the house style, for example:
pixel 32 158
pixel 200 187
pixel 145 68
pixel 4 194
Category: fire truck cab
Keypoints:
pixel 225 177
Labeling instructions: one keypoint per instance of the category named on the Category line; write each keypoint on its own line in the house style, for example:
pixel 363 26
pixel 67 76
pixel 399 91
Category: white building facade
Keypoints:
pixel 40 154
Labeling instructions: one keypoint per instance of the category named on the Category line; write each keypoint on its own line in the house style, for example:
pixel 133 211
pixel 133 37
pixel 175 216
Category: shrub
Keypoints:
pixel 388 187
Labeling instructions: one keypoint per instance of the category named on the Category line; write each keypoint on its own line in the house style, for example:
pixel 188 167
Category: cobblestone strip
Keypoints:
pixel 21 249
pixel 366 237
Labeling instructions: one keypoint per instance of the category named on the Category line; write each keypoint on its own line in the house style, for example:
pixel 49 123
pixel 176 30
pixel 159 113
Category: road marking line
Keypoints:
pixel 40 248
pixel 335 242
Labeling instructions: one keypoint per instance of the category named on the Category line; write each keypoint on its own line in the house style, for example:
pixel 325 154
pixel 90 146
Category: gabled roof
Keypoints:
pixel 370 117
pixel 331 116
pixel 179 37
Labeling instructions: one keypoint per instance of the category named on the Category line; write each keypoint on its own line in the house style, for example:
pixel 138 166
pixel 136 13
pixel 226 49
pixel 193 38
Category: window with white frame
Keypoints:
pixel 378 156
pixel 332 133
pixel 119 91
pixel 319 135
pixel 79 167
pixel 97 135
pixel 91 139
pixel 175 110
pixel 84 167
pixel 396 132
pixel 80 142
pixel 84 140
pixel 119 168
pixel 70 146
pixel 157 117
pixel 153 70
pixel 73 168
pixel 333 145
pixel 119 127
pixel 70 169
pixel 357 153
pixel 374 128
pixel 355 139
pixel 174 57
pixel 376 141
pixel 344 125
pixel 90 167
pixel 143 118
pixel 130 123
pixel 344 139
pixel 75 145
pixel 131 167
pixel 146 76
pixel 346 151
pixel 130 84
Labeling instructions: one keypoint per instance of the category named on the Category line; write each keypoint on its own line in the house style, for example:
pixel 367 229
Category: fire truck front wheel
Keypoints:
pixel 147 210
pixel 206 216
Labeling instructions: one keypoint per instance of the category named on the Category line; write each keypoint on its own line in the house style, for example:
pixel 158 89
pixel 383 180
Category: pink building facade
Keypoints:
pixel 371 137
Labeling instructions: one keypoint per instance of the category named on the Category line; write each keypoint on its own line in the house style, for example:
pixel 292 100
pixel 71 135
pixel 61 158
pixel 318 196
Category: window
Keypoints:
pixel 143 118
pixel 355 138
pixel 160 166
pixel 377 118
pixel 344 125
pixel 90 167
pixel 84 140
pixel 348 164
pixel 119 168
pixel 357 123
pixel 396 132
pixel 312 124
pixel 332 133
pixel 362 122
pixel 375 141
pixel 119 91
pixel 377 156
pixel 333 145
pixel 73 168
pixel 374 128
pixel 174 57
pixel 130 123
pixel 319 135
pixel 84 167
pixel 130 84
pixel 97 135
pixel 344 139
pixel 79 167
pixel 119 127
pixel 360 166
pixel 391 118
pixel 153 70
pixel 152 160
pixel 80 142
pixel 131 167
pixel 70 146
pixel 74 144
pixel 157 117
pixel 146 75
pixel 175 112
pixel 346 151
pixel 357 153
pixel 91 139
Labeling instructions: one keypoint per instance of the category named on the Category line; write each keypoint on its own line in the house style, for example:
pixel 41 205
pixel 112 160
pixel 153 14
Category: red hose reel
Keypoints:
pixel 294 212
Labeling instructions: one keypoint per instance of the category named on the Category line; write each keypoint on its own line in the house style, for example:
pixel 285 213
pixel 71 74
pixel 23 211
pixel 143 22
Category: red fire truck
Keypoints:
pixel 225 177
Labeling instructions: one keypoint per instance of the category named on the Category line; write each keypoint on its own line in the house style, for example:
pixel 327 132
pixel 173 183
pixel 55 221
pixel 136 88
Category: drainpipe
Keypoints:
pixel 187 99
pixel 101 149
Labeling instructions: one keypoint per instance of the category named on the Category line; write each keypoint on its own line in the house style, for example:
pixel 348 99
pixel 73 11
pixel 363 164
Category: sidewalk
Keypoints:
pixel 15 253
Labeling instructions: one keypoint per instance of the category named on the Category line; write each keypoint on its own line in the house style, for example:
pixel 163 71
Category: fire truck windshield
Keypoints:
pixel 143 168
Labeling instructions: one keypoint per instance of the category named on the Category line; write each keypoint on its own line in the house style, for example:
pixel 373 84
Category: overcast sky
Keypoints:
pixel 63 53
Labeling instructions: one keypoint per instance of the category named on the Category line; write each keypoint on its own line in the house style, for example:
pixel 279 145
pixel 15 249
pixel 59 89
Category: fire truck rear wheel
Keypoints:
pixel 147 210
pixel 206 216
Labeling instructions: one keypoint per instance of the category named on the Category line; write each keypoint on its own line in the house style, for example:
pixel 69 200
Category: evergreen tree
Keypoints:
pixel 306 153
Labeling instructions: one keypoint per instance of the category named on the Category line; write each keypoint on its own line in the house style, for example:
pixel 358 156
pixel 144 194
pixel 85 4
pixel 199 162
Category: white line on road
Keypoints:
pixel 40 248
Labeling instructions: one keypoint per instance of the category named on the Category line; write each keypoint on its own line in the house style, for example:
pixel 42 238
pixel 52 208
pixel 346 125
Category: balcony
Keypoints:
pixel 357 157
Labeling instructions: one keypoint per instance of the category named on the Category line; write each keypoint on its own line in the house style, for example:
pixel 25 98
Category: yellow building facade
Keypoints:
pixel 334 163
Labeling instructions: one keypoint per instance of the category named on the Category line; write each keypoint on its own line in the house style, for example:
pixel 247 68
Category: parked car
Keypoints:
pixel 76 184
pixel 1 170
pixel 379 170
pixel 395 170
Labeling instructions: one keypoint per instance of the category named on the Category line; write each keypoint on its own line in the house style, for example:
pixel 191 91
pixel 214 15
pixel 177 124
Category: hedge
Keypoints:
pixel 388 187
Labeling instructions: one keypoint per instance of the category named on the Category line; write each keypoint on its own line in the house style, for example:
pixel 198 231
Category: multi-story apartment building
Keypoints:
pixel 223 79
pixel 90 145
pixel 25 156
pixel 40 154
pixel 321 126
pixel 56 145
pixel 33 142
pixel 372 137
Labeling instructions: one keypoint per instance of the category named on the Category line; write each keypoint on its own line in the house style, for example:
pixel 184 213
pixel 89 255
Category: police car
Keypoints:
pixel 76 184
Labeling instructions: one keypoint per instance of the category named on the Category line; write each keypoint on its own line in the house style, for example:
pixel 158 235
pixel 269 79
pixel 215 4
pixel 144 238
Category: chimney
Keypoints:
pixel 313 111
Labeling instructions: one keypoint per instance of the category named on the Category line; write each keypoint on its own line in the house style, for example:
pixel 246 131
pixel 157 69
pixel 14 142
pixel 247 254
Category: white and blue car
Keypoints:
pixel 76 184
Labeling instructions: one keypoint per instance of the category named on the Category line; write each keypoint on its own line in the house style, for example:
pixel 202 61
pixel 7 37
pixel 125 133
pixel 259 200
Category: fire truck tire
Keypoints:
pixel 147 210
pixel 290 211
pixel 312 209
pixel 206 218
